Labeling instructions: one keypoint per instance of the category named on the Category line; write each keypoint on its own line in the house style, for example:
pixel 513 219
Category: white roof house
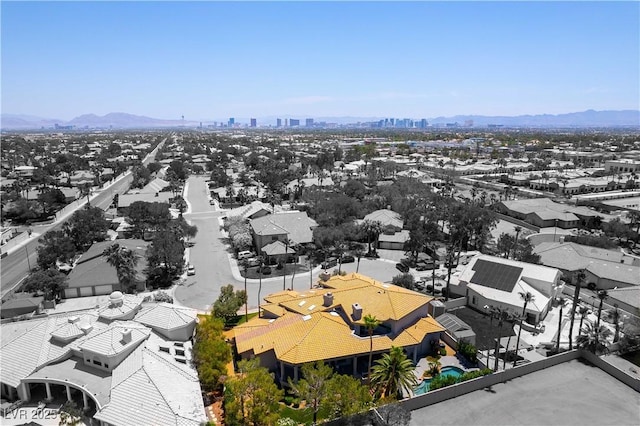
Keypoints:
pixel 495 281
pixel 128 372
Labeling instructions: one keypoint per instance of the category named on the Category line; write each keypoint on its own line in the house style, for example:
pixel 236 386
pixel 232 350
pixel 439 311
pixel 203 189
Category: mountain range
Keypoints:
pixel 119 120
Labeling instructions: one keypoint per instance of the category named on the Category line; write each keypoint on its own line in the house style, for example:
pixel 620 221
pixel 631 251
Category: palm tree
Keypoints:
pixel 614 317
pixel 393 373
pixel 372 229
pixel 576 298
pixel 358 252
pixel 592 337
pixel 125 261
pixel 370 323
pixel 260 264
pixel 561 301
pixel 85 190
pixel 602 295
pixel 583 311
pixel 526 297
pixel 518 229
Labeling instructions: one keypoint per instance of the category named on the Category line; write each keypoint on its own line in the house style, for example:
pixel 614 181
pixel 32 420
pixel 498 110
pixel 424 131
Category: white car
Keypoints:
pixel 191 270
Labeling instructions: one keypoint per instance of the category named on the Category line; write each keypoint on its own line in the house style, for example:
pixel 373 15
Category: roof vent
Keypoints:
pixel 126 336
pixel 357 311
pixel 327 299
pixel 74 319
pixel 86 328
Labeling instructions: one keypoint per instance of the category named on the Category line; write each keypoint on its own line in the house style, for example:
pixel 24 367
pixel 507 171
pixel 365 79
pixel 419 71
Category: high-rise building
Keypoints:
pixel 253 122
pixel 286 122
pixel 278 122
pixel 308 122
pixel 232 122
pixel 423 123
pixel 294 122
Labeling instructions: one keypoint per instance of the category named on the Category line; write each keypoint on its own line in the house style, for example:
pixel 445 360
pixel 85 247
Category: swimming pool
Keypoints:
pixel 423 387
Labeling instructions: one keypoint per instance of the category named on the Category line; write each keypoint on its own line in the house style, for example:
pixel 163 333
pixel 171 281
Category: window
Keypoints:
pixel 106 366
pixel 473 300
pixel 274 238
pixel 96 362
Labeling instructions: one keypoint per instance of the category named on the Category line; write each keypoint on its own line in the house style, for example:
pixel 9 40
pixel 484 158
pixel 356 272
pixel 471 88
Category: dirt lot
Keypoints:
pixel 573 393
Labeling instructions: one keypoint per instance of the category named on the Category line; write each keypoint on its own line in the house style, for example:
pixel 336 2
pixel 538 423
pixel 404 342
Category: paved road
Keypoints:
pixel 213 262
pixel 15 266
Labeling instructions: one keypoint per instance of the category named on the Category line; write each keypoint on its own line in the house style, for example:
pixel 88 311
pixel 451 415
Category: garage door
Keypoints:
pixel 70 293
pixel 86 291
pixel 103 289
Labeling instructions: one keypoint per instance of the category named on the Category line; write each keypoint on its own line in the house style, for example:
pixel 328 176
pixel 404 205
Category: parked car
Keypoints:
pixel 347 258
pixel 253 261
pixel 191 270
pixel 402 267
pixel 244 254
pixel 426 265
pixel 329 263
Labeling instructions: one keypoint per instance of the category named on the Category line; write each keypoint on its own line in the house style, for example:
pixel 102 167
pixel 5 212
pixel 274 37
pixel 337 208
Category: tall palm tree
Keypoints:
pixel 393 373
pixel 260 264
pixel 372 229
pixel 592 337
pixel 518 229
pixel 561 301
pixel 614 317
pixel 526 297
pixel 602 295
pixel 580 276
pixel 370 323
pixel 125 262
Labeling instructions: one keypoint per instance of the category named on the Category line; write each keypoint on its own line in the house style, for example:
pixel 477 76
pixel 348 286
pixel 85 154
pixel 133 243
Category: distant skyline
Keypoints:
pixel 214 60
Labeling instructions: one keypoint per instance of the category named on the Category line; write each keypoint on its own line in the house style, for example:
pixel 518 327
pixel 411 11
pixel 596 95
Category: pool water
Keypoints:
pixel 423 387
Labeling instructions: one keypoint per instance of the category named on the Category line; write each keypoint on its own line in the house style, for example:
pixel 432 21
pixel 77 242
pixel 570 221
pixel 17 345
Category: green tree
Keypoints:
pixel 49 282
pixel 346 396
pixel 165 258
pixel 251 397
pixel 51 199
pixel 125 262
pixel 211 353
pixel 87 226
pixel 227 305
pixel 394 414
pixel 146 217
pixel 55 246
pixel 404 280
pixel 393 373
pixel 314 385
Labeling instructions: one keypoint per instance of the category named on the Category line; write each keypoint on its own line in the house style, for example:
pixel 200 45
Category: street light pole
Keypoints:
pixel 555 229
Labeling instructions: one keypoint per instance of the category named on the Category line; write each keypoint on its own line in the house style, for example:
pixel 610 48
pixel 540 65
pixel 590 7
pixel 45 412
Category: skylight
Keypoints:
pixel 311 307
pixel 302 303
pixel 306 317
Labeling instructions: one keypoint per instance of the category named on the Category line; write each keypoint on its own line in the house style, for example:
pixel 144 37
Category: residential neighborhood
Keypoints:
pixel 207 258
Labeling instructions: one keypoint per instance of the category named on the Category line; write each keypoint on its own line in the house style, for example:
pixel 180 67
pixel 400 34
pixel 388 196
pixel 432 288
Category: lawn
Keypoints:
pixel 486 332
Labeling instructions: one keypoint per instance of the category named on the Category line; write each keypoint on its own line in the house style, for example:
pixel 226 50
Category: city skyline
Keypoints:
pixel 200 60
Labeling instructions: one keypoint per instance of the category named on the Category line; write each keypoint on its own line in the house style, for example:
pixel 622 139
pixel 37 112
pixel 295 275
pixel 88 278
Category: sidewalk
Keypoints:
pixel 63 217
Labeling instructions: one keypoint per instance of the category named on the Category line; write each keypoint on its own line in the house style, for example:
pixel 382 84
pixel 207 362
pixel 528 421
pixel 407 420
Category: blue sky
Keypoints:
pixel 214 60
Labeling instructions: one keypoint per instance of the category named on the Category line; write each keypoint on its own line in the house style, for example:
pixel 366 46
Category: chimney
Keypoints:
pixel 86 328
pixel 74 319
pixel 327 299
pixel 126 336
pixel 357 311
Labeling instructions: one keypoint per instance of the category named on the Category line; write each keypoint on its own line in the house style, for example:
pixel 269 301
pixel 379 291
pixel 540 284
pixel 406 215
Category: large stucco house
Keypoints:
pixel 327 323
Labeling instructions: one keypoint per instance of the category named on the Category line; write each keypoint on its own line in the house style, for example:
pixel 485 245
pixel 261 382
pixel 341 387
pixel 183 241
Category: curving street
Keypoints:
pixel 216 267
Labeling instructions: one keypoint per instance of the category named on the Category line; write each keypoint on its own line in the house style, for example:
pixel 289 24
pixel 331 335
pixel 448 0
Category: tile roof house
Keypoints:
pixel 93 275
pixel 296 226
pixel 604 269
pixel 121 371
pixel 543 212
pixel 328 324
pixel 495 281
pixel 386 217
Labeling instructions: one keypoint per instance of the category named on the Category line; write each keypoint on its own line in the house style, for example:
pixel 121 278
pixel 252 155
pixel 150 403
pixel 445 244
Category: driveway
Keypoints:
pixel 215 265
